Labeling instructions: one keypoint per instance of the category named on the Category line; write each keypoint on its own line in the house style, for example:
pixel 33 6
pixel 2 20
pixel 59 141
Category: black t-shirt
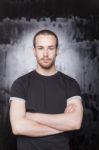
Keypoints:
pixel 45 94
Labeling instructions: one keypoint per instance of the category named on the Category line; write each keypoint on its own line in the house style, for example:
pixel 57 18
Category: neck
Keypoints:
pixel 46 72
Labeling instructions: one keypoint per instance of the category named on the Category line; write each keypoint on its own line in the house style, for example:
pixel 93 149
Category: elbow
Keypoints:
pixel 17 127
pixel 77 125
pixel 15 130
pixel 72 126
pixel 78 122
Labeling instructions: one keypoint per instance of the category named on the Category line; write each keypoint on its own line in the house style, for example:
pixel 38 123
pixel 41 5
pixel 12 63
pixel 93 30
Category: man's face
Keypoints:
pixel 45 50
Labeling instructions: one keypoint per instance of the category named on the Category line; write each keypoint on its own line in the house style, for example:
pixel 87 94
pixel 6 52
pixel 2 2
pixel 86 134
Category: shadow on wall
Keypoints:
pixel 84 139
pixel 87 138
pixel 7 140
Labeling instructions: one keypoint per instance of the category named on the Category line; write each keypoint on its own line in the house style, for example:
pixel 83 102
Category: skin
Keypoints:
pixel 38 124
pixel 69 120
pixel 45 52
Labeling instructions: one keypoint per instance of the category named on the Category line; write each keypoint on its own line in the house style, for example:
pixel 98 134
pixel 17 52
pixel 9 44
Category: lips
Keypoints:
pixel 45 59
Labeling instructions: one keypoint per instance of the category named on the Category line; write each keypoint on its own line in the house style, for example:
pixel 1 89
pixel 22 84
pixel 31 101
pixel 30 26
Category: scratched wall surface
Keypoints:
pixel 78 55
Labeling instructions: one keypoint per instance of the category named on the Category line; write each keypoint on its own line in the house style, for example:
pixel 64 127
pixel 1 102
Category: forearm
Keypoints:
pixel 65 122
pixel 30 128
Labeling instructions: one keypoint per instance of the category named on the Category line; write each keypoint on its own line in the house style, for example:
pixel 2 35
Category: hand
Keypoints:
pixel 70 108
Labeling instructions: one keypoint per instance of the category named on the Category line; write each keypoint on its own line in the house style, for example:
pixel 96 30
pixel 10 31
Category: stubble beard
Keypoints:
pixel 46 66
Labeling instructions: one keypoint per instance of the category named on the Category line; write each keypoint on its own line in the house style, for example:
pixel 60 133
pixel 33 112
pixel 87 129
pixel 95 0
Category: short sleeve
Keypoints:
pixel 17 90
pixel 73 89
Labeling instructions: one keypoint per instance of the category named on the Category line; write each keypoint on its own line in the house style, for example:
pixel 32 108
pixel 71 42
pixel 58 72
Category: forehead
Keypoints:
pixel 45 40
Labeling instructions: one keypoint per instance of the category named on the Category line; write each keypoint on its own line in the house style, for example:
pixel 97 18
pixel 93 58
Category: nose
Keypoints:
pixel 45 52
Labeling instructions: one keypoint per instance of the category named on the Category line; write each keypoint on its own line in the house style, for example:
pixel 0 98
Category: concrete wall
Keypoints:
pixel 78 57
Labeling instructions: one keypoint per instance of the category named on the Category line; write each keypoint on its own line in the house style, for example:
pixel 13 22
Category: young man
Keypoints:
pixel 45 103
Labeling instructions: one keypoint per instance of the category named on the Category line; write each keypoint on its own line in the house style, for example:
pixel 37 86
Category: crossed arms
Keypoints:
pixel 38 124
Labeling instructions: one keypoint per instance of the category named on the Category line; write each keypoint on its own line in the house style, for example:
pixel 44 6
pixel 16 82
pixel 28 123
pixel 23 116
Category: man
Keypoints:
pixel 45 103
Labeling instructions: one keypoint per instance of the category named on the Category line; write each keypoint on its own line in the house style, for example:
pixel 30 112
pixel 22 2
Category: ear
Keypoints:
pixel 34 51
pixel 57 52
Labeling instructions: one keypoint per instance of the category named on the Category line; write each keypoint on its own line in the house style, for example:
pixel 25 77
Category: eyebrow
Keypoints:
pixel 39 46
pixel 43 46
pixel 51 46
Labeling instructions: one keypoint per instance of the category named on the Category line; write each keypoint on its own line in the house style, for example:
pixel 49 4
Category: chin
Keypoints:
pixel 46 66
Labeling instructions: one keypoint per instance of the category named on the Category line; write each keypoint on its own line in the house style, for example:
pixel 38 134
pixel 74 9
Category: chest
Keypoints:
pixel 46 96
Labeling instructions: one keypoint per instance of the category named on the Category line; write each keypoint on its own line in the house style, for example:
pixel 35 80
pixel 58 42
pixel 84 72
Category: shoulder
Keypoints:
pixel 71 85
pixel 20 86
pixel 24 79
pixel 68 79
pixel 26 76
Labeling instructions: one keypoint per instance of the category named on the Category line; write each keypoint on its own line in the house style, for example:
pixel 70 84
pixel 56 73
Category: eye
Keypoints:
pixel 40 48
pixel 51 48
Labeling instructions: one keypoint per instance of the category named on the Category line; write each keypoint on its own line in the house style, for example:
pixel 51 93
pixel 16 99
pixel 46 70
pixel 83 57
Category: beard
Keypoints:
pixel 46 63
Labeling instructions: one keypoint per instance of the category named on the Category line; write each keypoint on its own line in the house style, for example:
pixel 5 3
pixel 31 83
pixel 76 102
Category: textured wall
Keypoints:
pixel 78 57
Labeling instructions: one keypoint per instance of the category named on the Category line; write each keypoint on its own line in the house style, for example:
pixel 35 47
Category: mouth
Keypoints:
pixel 45 59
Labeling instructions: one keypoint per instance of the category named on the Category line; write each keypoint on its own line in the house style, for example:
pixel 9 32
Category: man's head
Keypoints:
pixel 45 48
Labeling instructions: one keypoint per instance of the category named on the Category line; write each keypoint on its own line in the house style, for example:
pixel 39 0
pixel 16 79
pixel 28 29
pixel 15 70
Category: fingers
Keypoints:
pixel 70 108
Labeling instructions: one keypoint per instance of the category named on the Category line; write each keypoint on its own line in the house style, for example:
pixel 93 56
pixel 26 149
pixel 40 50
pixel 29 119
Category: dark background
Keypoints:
pixel 76 23
pixel 47 8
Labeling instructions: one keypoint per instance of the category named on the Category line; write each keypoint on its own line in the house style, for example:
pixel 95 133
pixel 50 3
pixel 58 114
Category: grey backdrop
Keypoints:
pixel 78 57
